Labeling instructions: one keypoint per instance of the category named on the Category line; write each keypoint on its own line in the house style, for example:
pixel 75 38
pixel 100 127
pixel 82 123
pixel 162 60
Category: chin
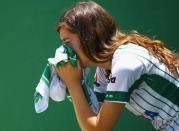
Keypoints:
pixel 85 63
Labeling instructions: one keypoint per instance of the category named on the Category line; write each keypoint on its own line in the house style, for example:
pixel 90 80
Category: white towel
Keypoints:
pixel 51 86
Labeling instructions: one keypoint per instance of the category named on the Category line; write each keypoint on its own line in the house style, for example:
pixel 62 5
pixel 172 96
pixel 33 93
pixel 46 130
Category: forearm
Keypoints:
pixel 87 119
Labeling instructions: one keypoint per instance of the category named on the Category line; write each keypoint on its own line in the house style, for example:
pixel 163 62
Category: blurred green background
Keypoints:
pixel 28 38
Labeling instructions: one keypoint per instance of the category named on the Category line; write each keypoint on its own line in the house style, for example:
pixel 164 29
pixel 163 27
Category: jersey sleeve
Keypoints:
pixel 126 69
pixel 100 84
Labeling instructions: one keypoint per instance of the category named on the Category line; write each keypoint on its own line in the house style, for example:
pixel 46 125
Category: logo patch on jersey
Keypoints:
pixel 111 79
pixel 96 81
pixel 144 117
pixel 97 84
pixel 150 114
pixel 107 73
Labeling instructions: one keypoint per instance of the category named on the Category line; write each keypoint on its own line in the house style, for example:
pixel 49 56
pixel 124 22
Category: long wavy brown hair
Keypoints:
pixel 100 36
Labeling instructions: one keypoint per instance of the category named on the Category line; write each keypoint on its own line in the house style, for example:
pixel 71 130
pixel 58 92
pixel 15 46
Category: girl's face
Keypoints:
pixel 72 40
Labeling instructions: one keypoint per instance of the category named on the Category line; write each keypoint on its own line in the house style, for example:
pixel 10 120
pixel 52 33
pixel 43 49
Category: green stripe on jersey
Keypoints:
pixel 117 96
pixel 100 96
pixel 37 96
pixel 45 81
pixel 158 99
pixel 160 85
pixel 46 72
pixel 164 87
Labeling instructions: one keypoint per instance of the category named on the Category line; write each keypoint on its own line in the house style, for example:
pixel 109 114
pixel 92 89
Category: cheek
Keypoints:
pixel 75 46
pixel 77 49
pixel 82 57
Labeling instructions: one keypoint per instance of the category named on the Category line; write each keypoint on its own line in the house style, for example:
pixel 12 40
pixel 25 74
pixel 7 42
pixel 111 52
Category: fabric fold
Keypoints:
pixel 51 86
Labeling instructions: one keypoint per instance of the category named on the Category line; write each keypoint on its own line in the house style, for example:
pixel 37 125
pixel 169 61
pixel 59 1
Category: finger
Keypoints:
pixel 57 68
pixel 67 64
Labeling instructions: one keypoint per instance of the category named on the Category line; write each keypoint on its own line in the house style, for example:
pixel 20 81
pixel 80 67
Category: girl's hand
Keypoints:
pixel 69 74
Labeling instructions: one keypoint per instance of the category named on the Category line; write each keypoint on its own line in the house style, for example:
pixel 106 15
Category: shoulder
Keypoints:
pixel 128 57
pixel 130 48
pixel 131 59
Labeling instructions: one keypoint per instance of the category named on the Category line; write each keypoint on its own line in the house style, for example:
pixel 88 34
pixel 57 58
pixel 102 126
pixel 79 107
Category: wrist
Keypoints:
pixel 74 86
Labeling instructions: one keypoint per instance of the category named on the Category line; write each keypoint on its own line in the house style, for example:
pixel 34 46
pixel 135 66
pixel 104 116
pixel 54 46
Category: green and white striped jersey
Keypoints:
pixel 144 83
